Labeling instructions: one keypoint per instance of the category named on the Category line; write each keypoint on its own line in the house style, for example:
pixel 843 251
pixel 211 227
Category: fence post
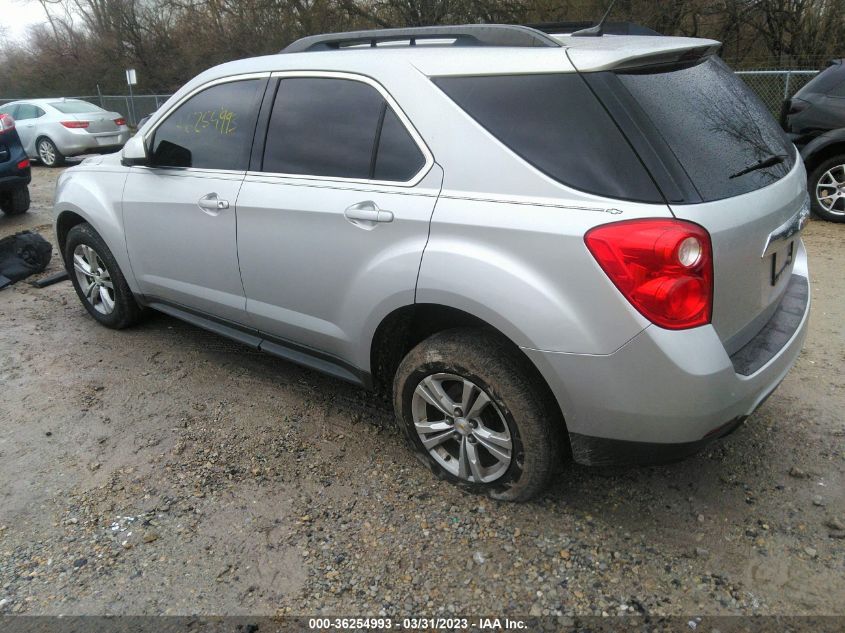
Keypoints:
pixel 786 94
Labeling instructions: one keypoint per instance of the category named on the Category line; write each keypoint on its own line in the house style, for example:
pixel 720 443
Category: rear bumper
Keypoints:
pixel 666 394
pixel 18 179
pixel 75 142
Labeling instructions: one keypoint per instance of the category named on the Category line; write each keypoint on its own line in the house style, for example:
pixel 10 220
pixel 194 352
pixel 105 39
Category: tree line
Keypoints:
pixel 86 44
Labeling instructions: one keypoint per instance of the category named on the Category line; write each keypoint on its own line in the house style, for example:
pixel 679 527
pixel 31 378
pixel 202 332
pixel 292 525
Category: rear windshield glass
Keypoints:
pixel 715 125
pixel 554 122
pixel 75 107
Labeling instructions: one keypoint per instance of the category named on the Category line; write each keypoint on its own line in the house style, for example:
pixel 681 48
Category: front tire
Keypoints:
pixel 98 280
pixel 48 153
pixel 470 410
pixel 826 186
pixel 16 201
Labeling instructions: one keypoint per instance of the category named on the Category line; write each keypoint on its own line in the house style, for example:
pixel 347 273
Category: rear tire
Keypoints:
pixel 16 201
pixel 824 182
pixel 48 153
pixel 98 280
pixel 518 421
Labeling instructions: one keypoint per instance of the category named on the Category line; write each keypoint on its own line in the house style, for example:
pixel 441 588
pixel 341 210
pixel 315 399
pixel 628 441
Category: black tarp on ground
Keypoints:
pixel 21 255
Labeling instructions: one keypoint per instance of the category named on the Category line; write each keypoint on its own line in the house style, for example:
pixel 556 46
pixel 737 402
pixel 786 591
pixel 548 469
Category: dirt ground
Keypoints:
pixel 164 470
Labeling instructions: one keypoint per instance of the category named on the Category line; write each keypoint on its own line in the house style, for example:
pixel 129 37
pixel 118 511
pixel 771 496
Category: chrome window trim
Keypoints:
pixel 391 102
pixel 214 82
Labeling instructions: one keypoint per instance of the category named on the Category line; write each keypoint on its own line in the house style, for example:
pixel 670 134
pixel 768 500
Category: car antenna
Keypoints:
pixel 598 29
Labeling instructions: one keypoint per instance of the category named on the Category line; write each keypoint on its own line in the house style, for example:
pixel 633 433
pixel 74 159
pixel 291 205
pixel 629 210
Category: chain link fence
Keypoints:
pixel 776 86
pixel 773 87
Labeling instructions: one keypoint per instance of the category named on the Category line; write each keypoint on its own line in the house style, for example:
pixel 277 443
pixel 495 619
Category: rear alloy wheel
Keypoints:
pixel 473 411
pixel 827 189
pixel 49 154
pixel 16 201
pixel 97 279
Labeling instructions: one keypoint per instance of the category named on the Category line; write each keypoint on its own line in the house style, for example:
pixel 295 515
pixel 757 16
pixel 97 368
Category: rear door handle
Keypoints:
pixel 211 204
pixel 367 212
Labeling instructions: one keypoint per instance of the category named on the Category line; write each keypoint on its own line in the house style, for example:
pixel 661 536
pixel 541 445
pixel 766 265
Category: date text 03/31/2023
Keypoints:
pixel 432 623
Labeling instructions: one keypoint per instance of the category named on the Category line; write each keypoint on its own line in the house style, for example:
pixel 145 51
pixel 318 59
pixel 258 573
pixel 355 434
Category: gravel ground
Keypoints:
pixel 163 470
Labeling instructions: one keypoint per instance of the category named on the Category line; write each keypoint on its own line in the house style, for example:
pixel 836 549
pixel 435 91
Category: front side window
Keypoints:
pixel 211 130
pixel 338 128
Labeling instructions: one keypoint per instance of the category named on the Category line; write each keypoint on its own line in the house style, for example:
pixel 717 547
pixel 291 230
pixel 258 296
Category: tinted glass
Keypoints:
pixel 323 127
pixel 9 109
pixel 75 106
pixel 211 130
pixel 825 81
pixel 555 123
pixel 715 125
pixel 839 90
pixel 398 157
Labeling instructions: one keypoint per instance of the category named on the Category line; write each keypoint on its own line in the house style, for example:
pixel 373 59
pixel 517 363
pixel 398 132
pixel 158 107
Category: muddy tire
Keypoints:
pixel 502 435
pixel 98 280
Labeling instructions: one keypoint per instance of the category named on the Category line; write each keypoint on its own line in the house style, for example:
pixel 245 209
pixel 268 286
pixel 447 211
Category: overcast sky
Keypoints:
pixel 18 15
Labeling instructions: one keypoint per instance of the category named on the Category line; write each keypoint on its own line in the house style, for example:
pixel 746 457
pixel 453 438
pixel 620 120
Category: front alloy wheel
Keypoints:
pixel 94 279
pixel 98 280
pixel 827 189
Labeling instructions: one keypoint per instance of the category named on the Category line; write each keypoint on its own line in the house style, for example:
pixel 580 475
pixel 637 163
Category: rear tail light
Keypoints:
pixel 120 121
pixel 6 122
pixel 23 164
pixel 663 267
pixel 75 124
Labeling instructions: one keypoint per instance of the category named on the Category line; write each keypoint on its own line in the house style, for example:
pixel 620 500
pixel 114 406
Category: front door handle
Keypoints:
pixel 367 212
pixel 211 204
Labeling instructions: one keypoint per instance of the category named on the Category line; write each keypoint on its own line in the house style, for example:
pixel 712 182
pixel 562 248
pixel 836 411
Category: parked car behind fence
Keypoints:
pixel 52 129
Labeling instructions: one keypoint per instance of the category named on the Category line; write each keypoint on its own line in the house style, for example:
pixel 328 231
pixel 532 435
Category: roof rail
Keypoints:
pixel 610 28
pixel 465 35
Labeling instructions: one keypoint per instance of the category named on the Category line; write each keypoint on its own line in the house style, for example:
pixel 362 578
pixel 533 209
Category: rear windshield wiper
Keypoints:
pixel 771 161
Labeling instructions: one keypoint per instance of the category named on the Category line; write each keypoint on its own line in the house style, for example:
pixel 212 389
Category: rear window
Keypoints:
pixel 75 107
pixel 554 122
pixel 715 125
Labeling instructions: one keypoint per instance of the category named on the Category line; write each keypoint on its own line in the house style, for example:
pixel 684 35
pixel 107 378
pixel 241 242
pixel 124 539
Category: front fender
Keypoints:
pixel 95 195
pixel 821 142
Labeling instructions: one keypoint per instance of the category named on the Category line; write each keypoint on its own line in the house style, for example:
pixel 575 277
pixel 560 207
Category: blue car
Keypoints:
pixel 15 172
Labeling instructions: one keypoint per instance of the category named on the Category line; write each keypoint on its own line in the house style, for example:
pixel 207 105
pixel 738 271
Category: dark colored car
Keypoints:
pixel 15 173
pixel 815 121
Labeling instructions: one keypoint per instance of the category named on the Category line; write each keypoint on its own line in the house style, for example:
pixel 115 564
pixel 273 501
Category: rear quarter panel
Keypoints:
pixel 523 267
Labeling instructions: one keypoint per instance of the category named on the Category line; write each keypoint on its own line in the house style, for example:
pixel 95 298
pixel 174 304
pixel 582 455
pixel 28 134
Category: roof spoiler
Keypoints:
pixel 610 28
pixel 465 35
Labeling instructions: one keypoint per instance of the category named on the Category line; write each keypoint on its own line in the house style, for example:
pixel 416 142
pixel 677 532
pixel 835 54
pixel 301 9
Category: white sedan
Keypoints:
pixel 51 129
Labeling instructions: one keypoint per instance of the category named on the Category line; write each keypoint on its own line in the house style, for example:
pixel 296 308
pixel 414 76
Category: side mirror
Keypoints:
pixel 134 153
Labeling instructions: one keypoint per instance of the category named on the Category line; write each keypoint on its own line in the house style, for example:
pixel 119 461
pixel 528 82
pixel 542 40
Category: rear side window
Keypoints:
pixel 211 130
pixel 338 128
pixel 715 125
pixel 554 122
pixel 28 111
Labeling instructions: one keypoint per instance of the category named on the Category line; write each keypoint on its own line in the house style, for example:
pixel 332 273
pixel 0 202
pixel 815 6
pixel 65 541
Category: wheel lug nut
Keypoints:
pixel 458 412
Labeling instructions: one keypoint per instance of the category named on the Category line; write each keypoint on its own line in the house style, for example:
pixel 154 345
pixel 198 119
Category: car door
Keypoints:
pixel 180 211
pixel 333 221
pixel 27 125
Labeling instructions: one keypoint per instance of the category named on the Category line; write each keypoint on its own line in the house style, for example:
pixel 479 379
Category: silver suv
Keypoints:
pixel 547 245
